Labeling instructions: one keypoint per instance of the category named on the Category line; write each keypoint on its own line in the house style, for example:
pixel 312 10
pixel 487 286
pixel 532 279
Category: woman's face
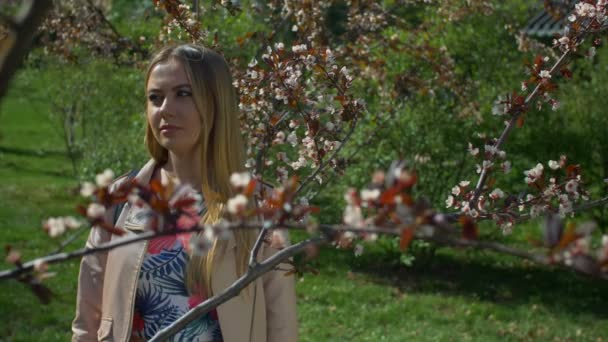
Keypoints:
pixel 171 112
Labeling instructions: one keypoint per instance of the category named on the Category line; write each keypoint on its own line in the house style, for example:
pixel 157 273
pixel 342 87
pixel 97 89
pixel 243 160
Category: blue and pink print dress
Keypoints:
pixel 162 296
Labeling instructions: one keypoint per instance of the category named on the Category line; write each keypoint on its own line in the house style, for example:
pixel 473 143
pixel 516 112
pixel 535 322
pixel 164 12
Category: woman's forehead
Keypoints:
pixel 167 75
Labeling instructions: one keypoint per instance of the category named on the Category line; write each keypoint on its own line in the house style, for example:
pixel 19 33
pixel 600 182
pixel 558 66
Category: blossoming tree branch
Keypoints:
pixel 299 110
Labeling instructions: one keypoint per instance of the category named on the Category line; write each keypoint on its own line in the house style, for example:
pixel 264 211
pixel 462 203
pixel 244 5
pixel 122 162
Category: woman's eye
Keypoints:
pixel 154 98
pixel 183 93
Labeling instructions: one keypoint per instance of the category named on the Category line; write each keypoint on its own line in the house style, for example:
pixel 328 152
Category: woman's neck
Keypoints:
pixel 181 169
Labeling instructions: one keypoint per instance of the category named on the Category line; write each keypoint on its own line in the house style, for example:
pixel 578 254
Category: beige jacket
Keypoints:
pixel 108 282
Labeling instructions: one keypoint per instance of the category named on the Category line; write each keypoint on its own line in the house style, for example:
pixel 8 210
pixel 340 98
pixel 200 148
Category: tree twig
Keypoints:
pixel 25 25
pixel 324 163
pixel 505 134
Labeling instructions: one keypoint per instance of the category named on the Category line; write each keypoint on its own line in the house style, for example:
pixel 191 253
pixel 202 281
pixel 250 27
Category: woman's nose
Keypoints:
pixel 166 109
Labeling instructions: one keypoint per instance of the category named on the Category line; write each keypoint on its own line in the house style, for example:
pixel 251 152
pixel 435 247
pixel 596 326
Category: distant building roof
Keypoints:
pixel 550 20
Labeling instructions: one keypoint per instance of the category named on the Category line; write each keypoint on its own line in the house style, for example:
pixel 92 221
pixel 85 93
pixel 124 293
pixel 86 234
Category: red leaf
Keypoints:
pixel 250 188
pixel 388 196
pixel 566 72
pixel 274 119
pixel 469 228
pixel 157 187
pixel 82 210
pixel 184 202
pixel 520 121
pixel 407 235
pixel 313 127
pixel 572 170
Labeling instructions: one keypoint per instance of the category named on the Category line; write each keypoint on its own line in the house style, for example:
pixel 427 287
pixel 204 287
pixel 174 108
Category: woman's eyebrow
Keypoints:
pixel 185 85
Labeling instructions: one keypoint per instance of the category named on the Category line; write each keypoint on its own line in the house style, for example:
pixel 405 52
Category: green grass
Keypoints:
pixel 35 182
pixel 449 296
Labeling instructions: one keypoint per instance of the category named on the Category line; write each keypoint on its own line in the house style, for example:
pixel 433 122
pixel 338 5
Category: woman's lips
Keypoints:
pixel 168 128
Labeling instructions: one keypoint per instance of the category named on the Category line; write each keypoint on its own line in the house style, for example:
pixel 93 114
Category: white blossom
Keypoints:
pixel 299 48
pixel 583 9
pixel 534 174
pixel 201 243
pixel 507 228
pixel 473 150
pixel 358 250
pixel 105 178
pixel 71 222
pixel 236 204
pixel 491 149
pixel 292 138
pixel 352 216
pixel 506 166
pixel 96 210
pixel 370 194
pixel 449 202
pixel 87 189
pixel 240 180
pixel 544 74
pixel 55 226
pixel 553 165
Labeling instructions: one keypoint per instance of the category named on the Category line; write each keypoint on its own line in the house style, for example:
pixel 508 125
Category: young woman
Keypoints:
pixel 193 136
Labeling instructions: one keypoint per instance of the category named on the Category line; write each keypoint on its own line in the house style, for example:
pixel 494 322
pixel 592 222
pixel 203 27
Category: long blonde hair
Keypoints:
pixel 222 149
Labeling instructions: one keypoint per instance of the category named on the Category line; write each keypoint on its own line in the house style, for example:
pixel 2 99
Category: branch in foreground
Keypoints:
pixel 261 268
pixel 232 291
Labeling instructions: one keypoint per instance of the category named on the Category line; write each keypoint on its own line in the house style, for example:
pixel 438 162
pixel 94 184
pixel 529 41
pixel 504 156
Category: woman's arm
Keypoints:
pixel 90 279
pixel 280 295
pixel 90 289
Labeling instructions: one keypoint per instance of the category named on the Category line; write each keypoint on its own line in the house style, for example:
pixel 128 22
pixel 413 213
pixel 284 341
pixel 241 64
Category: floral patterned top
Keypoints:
pixel 162 296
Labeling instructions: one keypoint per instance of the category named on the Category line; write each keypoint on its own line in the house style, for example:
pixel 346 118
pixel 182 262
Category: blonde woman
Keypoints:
pixel 131 292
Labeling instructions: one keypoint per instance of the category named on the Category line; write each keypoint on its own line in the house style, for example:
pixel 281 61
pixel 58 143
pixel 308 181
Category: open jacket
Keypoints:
pixel 107 285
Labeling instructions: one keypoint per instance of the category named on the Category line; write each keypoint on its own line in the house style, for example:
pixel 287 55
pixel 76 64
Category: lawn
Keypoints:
pixel 448 296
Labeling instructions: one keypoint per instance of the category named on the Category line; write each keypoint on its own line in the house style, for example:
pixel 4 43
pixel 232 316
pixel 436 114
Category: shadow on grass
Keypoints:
pixel 481 276
pixel 22 169
pixel 32 152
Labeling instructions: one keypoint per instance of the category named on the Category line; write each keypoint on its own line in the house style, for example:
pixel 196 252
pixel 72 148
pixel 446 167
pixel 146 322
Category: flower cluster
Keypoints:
pixel 295 107
pixel 72 25
pixel 180 23
pixel 386 203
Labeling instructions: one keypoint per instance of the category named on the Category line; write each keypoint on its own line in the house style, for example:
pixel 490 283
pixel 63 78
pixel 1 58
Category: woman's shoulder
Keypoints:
pixel 123 179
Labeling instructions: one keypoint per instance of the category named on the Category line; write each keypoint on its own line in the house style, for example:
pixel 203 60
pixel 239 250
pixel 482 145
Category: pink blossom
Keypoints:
pixel 571 186
pixel 497 193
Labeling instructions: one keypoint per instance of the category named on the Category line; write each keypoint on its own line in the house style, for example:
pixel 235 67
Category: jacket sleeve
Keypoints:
pixel 280 296
pixel 90 283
